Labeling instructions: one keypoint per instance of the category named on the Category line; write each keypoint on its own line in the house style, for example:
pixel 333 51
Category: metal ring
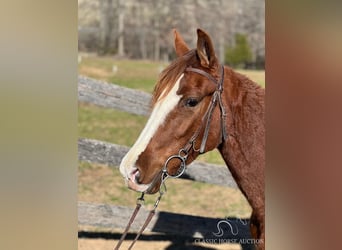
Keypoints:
pixel 181 168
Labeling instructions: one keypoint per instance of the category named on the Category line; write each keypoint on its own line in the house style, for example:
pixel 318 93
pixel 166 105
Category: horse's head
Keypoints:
pixel 180 102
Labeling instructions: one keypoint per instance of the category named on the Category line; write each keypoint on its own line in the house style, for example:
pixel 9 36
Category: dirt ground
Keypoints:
pixel 101 244
pixel 103 241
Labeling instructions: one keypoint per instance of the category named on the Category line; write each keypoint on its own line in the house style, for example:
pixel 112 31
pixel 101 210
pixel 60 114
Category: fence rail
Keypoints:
pixel 113 96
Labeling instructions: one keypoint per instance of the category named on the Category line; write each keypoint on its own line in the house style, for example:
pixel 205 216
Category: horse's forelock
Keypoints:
pixel 168 77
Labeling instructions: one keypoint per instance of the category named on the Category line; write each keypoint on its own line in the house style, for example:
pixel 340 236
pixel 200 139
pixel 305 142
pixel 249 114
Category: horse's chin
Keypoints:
pixel 137 187
pixel 153 189
pixel 133 184
pixel 143 188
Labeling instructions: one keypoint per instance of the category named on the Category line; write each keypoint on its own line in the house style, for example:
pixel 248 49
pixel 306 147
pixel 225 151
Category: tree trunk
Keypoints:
pixel 121 49
pixel 142 31
pixel 156 40
pixel 106 25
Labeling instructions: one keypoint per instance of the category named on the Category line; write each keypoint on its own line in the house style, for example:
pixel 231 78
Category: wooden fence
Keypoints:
pixel 94 151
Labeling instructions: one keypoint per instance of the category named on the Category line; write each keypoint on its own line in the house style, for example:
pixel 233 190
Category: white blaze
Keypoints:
pixel 159 113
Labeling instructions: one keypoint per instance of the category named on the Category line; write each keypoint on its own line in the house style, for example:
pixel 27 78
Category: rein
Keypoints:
pixel 182 155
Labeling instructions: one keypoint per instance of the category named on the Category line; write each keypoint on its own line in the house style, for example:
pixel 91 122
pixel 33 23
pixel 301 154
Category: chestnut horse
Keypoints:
pixel 197 106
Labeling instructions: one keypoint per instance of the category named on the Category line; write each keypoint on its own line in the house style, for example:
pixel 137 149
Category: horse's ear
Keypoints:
pixel 180 45
pixel 205 49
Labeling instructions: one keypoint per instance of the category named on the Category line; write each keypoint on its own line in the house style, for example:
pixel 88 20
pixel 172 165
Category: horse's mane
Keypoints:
pixel 169 75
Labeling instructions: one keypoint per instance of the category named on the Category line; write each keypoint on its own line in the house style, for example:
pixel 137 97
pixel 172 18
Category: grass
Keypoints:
pixel 140 75
pixel 257 76
pixel 109 125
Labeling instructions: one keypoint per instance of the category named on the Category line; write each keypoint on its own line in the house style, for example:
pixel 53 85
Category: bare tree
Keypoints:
pixel 121 27
pixel 141 30
pixel 106 25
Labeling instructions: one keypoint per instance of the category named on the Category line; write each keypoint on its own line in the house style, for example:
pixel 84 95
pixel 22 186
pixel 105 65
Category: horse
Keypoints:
pixel 199 105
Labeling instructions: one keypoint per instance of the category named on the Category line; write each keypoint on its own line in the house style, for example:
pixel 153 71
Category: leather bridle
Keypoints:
pixel 183 153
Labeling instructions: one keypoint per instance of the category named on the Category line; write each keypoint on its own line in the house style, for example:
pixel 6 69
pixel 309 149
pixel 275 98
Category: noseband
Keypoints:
pixel 183 153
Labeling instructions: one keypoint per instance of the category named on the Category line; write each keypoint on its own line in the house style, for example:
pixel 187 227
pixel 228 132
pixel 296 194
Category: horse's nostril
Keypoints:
pixel 137 177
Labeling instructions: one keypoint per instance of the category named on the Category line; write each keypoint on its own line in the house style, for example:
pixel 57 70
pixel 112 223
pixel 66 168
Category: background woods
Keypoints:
pixel 142 29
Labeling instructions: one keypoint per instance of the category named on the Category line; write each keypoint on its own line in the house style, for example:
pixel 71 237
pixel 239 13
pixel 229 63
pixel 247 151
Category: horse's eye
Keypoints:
pixel 191 102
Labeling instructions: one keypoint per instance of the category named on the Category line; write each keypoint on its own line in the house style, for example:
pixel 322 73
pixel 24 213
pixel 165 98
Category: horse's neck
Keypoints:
pixel 244 150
